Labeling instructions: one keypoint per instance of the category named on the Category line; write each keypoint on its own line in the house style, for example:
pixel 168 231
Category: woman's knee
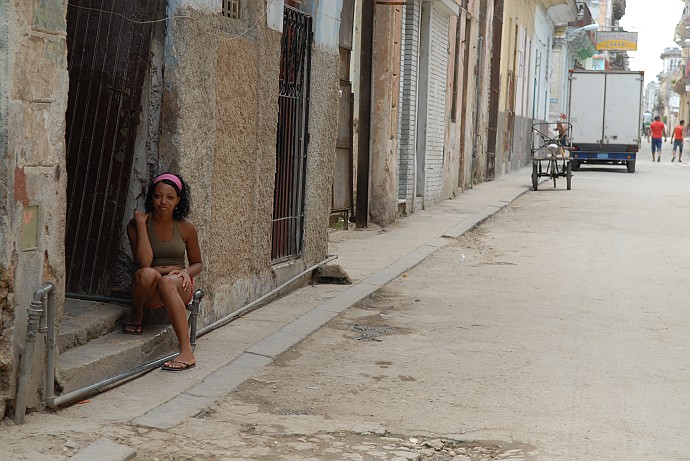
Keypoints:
pixel 168 283
pixel 146 276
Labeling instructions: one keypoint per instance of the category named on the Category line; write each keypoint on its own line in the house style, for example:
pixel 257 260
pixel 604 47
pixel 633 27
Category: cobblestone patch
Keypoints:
pixel 370 332
pixel 370 447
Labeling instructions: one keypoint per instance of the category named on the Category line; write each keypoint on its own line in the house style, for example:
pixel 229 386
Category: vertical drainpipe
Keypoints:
pixel 537 68
pixel 37 322
pixel 364 135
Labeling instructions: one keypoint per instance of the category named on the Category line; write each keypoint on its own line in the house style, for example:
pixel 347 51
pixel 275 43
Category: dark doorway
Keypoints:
pixel 291 145
pixel 108 53
pixel 343 174
pixel 494 90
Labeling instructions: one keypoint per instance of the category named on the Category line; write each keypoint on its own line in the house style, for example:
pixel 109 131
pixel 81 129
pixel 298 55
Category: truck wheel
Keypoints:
pixel 631 166
pixel 569 174
pixel 575 165
pixel 535 176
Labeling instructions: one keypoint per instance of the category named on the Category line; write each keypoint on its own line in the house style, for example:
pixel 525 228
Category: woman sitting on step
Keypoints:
pixel 160 237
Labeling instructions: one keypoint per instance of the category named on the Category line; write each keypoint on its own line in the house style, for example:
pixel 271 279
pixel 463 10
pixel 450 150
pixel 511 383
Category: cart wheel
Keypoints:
pixel 568 174
pixel 535 176
pixel 554 172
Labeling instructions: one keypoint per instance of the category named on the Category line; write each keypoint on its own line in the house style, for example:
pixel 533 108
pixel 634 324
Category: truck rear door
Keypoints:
pixel 587 92
pixel 622 109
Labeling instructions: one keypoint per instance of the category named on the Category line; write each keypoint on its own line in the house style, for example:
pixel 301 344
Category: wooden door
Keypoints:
pixel 108 53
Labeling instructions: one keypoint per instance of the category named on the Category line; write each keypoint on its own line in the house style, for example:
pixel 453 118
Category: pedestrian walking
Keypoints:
pixel 658 130
pixel 646 121
pixel 160 238
pixel 678 136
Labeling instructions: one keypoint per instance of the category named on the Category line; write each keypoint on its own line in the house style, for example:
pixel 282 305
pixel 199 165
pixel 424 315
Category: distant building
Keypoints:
pixel 651 93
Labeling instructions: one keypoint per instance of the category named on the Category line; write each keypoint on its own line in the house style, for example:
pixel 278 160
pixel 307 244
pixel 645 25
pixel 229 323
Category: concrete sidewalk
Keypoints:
pixel 372 258
pixel 228 356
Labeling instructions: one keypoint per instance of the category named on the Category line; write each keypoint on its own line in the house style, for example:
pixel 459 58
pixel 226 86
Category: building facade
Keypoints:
pixel 533 69
pixel 239 97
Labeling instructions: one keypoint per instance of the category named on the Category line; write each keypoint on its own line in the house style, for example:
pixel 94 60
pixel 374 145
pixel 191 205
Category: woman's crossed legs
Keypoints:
pixel 150 288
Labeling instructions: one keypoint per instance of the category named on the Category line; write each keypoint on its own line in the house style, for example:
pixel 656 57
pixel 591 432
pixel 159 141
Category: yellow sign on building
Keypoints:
pixel 616 41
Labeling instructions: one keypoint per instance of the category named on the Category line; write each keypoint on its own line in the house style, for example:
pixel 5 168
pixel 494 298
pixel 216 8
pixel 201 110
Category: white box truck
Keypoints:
pixel 604 109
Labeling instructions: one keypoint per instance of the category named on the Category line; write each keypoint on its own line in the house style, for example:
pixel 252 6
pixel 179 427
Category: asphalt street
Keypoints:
pixel 556 330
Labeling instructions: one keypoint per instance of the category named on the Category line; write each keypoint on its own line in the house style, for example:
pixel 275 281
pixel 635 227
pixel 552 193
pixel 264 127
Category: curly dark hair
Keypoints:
pixel 183 208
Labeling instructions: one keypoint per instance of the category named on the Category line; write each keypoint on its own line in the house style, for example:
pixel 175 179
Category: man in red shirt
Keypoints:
pixel 658 129
pixel 678 135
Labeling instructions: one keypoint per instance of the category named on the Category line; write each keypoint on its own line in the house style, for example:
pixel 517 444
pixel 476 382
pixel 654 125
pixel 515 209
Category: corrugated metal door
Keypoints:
pixel 108 50
pixel 436 104
pixel 407 136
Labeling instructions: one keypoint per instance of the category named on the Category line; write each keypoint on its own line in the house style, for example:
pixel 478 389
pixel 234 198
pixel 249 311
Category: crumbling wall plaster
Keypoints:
pixel 33 101
pixel 385 72
pixel 218 124
pixel 323 131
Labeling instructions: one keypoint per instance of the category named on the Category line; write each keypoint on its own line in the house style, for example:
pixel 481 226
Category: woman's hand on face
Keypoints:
pixel 140 217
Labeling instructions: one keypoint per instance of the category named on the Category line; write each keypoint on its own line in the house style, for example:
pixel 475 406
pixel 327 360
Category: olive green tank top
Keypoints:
pixel 170 253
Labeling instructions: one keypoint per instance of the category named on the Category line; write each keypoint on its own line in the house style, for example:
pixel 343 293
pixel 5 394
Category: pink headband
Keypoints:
pixel 170 177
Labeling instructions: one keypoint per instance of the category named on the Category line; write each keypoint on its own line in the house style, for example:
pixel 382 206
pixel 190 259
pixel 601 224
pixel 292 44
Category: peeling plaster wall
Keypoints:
pixel 482 119
pixel 4 160
pixel 243 175
pixel 323 126
pixel 451 166
pixel 33 101
pixel 470 105
pixel 457 168
pixel 521 146
pixel 385 95
pixel 218 128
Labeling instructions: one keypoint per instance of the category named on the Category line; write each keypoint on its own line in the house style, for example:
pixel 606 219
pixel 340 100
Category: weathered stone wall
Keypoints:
pixel 323 126
pixel 6 273
pixel 385 95
pixel 522 143
pixel 516 154
pixel 469 106
pixel 219 118
pixel 460 135
pixel 482 119
pixel 33 101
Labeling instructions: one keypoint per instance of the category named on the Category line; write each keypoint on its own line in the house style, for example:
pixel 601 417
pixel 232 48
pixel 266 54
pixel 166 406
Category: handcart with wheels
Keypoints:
pixel 551 153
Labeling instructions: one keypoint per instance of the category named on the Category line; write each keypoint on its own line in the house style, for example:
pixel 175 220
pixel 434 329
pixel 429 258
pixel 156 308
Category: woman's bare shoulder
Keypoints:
pixel 186 227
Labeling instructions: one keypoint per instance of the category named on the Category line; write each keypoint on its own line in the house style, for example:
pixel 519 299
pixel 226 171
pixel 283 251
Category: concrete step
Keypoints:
pixel 92 346
pixel 86 320
pixel 111 355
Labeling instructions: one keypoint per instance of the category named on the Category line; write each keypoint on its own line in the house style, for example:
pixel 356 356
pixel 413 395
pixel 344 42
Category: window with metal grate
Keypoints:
pixel 232 8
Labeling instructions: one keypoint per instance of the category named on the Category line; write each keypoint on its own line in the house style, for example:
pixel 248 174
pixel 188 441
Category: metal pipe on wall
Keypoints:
pixel 54 402
pixel 36 313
